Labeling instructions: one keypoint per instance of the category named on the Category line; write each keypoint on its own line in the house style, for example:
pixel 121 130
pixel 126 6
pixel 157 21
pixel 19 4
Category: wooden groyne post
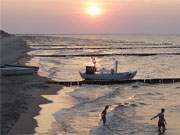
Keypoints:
pixel 97 82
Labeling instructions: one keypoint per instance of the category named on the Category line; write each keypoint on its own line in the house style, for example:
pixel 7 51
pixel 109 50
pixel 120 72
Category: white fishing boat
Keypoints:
pixel 17 70
pixel 91 73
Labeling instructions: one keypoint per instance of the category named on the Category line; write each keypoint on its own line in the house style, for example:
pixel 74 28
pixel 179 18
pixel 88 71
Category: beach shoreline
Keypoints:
pixel 21 96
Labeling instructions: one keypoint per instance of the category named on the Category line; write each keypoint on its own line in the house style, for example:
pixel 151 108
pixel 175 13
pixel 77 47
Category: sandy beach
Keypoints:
pixel 20 95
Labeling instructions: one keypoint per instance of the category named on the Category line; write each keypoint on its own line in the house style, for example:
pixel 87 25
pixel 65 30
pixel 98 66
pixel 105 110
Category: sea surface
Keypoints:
pixel 61 57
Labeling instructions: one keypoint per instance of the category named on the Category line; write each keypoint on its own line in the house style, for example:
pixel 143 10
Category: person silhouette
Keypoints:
pixel 103 114
pixel 161 122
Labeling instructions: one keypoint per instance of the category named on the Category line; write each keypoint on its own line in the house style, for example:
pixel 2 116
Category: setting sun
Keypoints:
pixel 93 10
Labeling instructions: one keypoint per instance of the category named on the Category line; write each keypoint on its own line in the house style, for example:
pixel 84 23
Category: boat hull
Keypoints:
pixel 7 70
pixel 109 76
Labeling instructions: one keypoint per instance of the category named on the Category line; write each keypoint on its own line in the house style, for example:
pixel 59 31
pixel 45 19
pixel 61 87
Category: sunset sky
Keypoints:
pixel 91 16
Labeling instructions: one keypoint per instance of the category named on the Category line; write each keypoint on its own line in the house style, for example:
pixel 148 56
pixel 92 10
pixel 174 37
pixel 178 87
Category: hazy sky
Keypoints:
pixel 75 16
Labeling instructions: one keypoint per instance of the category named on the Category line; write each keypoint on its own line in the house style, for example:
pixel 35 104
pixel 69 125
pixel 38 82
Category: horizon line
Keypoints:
pixel 96 33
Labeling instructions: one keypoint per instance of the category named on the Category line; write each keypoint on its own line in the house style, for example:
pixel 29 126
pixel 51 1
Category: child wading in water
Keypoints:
pixel 103 114
pixel 162 121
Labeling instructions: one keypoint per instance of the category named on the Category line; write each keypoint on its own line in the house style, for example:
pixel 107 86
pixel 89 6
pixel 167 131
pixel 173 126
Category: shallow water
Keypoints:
pixel 132 105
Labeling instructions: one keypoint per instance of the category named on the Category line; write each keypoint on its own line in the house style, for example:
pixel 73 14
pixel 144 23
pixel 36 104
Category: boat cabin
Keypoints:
pixel 90 69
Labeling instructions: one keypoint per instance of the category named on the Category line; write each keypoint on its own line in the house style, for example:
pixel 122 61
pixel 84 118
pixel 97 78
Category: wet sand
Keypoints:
pixel 47 123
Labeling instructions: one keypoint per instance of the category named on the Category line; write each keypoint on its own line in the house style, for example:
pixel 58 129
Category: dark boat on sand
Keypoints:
pixel 17 70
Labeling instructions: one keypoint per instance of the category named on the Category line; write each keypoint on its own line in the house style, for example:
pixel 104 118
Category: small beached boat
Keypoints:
pixel 17 70
pixel 106 75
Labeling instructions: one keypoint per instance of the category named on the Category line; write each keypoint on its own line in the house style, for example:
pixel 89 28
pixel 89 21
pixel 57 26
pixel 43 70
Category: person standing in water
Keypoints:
pixel 161 121
pixel 103 114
